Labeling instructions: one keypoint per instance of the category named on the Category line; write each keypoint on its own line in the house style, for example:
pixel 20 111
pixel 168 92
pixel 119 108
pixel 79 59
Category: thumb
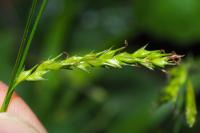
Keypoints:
pixel 19 117
pixel 11 124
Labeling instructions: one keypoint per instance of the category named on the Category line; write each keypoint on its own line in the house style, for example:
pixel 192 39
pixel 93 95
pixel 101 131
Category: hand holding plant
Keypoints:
pixel 19 118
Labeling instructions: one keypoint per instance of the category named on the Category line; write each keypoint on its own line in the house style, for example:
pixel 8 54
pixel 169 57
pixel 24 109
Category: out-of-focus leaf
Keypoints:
pixel 162 112
pixel 178 78
pixel 191 110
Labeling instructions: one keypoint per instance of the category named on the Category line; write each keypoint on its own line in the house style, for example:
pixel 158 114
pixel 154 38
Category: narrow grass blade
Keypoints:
pixel 23 50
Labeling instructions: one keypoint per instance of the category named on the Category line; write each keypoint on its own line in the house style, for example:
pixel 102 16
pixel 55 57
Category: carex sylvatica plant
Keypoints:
pixel 110 58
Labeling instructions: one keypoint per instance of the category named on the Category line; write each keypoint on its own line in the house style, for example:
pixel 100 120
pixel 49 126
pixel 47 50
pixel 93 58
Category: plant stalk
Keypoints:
pixel 23 51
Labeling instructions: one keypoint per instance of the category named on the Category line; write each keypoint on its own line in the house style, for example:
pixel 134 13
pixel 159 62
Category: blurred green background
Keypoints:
pixel 104 100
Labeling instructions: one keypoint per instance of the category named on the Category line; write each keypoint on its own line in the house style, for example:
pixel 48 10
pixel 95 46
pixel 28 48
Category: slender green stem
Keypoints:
pixel 24 40
pixel 23 50
pixel 7 100
pixel 19 56
pixel 39 15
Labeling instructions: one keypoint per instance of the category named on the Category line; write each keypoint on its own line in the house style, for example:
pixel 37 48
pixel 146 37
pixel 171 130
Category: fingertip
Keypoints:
pixel 12 124
pixel 20 109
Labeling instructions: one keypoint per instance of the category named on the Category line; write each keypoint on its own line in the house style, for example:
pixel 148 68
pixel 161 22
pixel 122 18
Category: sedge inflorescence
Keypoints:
pixel 114 58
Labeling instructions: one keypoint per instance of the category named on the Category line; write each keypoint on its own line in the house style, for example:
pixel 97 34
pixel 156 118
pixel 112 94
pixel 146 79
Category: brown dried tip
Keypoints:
pixel 175 58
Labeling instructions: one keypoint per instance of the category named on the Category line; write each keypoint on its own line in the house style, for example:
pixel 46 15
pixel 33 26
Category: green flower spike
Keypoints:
pixel 108 58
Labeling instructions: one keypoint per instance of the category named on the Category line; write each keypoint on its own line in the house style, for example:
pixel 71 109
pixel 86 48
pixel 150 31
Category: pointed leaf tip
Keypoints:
pixel 191 110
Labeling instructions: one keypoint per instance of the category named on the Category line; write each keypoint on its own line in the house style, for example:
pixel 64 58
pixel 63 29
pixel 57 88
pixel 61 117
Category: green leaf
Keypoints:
pixel 178 77
pixel 191 110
